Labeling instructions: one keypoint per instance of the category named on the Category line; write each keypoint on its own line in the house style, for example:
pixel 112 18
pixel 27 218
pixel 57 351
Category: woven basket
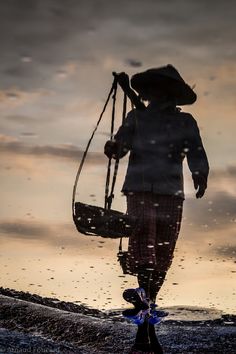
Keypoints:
pixel 96 221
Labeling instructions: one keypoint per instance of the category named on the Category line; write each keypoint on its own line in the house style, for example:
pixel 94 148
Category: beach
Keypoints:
pixel 33 324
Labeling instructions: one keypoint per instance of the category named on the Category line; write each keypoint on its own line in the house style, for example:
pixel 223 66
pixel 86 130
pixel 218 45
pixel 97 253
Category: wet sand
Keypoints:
pixel 33 324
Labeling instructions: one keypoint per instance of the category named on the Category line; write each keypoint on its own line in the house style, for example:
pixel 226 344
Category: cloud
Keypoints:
pixel 38 231
pixel 20 119
pixel 15 97
pixel 223 179
pixel 226 251
pixel 133 62
pixel 29 134
pixel 25 230
pixel 229 171
pixel 216 213
pixel 12 145
pixel 26 120
pixel 60 234
pixel 53 32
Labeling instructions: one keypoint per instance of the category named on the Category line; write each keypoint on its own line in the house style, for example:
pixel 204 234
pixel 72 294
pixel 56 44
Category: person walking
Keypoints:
pixel 159 137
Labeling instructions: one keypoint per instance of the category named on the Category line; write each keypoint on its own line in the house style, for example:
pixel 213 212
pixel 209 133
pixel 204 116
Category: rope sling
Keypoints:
pixel 103 221
pixel 106 222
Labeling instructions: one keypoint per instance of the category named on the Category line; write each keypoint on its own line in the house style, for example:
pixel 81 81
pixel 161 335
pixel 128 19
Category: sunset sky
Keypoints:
pixel 57 59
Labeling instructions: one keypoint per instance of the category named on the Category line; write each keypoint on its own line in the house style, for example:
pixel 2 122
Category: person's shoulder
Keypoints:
pixel 135 111
pixel 130 116
pixel 187 118
pixel 132 113
pixel 185 115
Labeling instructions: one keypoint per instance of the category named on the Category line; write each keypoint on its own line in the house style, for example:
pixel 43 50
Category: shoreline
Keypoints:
pixel 62 327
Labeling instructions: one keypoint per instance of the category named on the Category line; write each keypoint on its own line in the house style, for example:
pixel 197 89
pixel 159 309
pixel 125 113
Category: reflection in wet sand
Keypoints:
pixel 158 136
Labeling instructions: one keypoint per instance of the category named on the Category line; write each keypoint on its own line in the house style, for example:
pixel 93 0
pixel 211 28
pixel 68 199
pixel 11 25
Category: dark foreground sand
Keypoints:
pixel 32 324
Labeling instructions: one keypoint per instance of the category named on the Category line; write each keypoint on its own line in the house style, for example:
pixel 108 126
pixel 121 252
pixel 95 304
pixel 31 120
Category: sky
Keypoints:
pixel 57 59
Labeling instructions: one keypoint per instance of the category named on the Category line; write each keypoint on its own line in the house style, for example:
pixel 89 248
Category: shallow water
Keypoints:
pixel 84 269
pixel 42 252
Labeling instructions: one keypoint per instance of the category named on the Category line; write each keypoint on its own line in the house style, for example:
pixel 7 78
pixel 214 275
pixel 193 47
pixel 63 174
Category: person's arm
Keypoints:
pixel 196 158
pixel 123 81
pixel 122 142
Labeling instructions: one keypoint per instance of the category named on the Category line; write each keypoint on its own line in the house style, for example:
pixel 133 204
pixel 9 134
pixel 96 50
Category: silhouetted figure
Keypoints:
pixel 158 138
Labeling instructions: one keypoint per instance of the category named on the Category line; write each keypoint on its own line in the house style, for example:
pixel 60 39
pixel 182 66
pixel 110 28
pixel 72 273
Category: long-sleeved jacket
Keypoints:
pixel 158 141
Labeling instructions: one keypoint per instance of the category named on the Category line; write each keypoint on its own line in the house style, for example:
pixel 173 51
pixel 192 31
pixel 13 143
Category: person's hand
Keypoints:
pixel 200 184
pixel 110 149
pixel 123 81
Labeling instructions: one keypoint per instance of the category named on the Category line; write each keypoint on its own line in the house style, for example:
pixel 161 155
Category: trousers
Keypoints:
pixel 152 241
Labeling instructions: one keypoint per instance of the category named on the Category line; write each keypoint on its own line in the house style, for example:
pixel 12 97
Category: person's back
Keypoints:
pixel 159 140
